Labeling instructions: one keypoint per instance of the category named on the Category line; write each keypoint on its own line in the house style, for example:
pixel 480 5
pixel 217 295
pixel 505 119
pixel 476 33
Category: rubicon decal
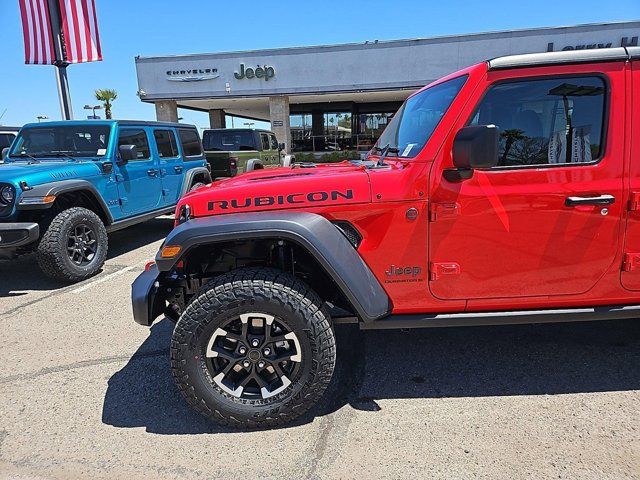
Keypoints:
pixel 289 199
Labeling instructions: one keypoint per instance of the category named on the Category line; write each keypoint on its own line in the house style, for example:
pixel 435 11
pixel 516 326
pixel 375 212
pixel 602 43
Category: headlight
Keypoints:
pixel 7 195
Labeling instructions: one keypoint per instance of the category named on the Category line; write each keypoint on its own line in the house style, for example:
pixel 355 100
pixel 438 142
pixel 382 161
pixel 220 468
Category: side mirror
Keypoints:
pixel 5 152
pixel 281 147
pixel 476 147
pixel 127 152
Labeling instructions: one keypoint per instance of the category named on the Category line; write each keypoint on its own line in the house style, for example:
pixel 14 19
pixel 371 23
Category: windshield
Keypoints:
pixel 418 117
pixel 62 141
pixel 230 141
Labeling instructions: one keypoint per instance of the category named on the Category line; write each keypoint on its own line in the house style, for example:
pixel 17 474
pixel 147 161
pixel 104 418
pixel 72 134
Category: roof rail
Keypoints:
pixel 620 54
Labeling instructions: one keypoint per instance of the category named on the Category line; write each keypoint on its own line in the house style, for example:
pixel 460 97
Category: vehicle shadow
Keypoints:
pixel 431 363
pixel 22 274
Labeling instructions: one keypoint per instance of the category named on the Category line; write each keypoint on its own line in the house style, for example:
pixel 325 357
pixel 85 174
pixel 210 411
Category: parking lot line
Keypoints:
pixel 106 278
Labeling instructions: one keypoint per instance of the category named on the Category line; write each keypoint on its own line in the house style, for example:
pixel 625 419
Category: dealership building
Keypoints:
pixel 339 96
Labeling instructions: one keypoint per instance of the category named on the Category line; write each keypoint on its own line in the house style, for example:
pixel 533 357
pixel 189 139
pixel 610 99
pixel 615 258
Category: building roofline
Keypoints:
pixel 395 43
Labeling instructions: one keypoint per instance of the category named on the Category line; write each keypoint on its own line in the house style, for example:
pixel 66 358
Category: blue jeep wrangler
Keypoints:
pixel 64 185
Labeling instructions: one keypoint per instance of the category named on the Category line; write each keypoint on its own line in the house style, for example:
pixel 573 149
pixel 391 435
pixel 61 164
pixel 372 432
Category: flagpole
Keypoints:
pixel 60 63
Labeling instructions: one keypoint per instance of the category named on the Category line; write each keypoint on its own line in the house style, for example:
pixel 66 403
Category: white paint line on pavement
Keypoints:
pixel 106 278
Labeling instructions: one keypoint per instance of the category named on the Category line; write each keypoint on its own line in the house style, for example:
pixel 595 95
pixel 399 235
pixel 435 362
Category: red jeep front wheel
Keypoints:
pixel 255 348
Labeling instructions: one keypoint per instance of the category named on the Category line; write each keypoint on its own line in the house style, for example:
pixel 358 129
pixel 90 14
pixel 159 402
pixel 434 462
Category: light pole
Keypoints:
pixel 93 108
pixel 42 117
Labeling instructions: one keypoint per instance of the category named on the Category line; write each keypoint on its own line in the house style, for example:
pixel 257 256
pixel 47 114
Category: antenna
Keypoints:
pixel 3 112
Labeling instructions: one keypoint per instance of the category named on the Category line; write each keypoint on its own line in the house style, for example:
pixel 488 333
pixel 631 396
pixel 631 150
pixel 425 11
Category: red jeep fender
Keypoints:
pixel 317 235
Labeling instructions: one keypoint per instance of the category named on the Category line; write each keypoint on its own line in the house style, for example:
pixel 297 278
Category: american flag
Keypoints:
pixel 80 28
pixel 36 28
pixel 78 24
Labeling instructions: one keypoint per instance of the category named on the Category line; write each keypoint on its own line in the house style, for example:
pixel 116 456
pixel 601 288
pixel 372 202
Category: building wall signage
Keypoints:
pixel 265 72
pixel 192 75
pixel 624 42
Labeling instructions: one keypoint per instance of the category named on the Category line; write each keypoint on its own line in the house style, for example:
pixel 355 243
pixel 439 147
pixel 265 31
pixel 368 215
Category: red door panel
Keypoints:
pixel 631 268
pixel 509 231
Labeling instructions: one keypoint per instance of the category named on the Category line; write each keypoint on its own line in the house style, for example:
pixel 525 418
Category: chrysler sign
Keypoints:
pixel 192 75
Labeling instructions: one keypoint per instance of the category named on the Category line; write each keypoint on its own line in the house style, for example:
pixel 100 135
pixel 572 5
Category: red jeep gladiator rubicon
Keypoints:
pixel 508 192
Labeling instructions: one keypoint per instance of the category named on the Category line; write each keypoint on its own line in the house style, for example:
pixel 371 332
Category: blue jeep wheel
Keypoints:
pixel 74 247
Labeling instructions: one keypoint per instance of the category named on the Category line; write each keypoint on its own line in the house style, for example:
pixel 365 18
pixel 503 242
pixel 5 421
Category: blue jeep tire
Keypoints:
pixel 74 246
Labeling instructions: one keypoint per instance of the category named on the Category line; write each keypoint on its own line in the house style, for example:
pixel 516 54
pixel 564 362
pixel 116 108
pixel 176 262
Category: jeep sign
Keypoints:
pixel 265 72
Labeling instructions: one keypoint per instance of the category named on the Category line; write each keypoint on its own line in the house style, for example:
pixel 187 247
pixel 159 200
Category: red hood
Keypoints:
pixel 280 188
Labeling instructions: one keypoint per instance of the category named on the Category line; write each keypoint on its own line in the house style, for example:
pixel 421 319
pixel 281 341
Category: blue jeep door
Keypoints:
pixel 171 168
pixel 139 183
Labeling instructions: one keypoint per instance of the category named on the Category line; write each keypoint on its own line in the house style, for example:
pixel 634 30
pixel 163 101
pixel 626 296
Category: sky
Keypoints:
pixel 167 27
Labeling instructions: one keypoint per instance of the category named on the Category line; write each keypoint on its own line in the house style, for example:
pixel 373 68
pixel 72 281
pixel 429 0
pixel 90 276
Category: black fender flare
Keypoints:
pixel 190 175
pixel 316 234
pixel 60 187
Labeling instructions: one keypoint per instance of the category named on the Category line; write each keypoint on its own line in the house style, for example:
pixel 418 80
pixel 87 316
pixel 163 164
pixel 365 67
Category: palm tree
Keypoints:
pixel 106 96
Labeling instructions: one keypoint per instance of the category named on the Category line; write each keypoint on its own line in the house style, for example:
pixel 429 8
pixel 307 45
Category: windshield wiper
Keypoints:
pixel 25 154
pixel 60 153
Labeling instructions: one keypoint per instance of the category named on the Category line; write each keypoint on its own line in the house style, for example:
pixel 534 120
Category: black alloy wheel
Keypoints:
pixel 254 356
pixel 81 245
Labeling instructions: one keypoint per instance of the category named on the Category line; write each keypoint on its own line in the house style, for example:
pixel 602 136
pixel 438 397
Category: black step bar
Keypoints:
pixel 504 318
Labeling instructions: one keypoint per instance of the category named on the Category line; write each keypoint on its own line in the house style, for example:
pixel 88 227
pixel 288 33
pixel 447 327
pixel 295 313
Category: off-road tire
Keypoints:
pixel 196 186
pixel 249 290
pixel 52 250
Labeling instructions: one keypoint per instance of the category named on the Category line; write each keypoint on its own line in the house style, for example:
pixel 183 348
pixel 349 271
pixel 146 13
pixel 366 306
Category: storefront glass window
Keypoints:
pixel 300 132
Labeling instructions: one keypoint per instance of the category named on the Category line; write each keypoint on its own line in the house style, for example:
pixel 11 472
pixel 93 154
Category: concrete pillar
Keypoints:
pixel 317 129
pixel 217 118
pixel 167 111
pixel 280 121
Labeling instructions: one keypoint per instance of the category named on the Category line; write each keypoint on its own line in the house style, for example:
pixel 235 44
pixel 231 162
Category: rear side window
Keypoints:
pixel 137 138
pixel 190 141
pixel 166 142
pixel 274 142
pixel 546 121
pixel 265 141
pixel 228 140
pixel 6 139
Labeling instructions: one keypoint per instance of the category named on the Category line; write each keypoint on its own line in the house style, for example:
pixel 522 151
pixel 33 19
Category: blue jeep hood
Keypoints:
pixel 46 171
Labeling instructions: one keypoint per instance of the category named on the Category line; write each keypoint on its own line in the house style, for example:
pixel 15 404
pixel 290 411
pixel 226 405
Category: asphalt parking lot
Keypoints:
pixel 86 393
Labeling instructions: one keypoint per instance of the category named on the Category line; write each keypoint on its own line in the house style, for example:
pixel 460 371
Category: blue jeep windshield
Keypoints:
pixel 418 117
pixel 61 141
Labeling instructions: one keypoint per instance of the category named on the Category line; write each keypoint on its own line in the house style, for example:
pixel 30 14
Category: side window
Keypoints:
pixel 190 141
pixel 274 142
pixel 166 142
pixel 6 139
pixel 546 121
pixel 265 141
pixel 138 138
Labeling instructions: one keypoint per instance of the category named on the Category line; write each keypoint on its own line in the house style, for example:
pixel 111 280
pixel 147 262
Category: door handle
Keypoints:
pixel 598 200
pixel 178 169
pixel 152 172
